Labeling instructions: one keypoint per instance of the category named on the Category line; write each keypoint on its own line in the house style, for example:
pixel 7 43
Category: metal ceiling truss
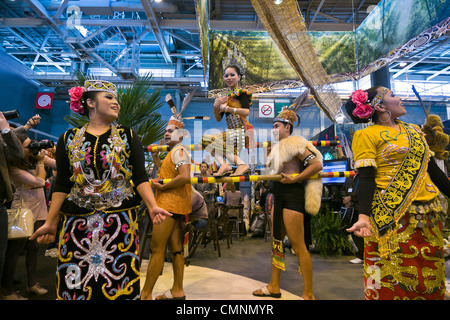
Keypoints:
pixel 125 36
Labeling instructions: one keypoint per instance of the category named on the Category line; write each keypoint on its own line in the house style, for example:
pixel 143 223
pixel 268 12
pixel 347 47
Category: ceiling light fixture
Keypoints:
pixel 277 1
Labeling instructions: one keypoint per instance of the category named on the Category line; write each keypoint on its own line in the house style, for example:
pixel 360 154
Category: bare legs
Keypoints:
pixel 294 228
pixel 242 167
pixel 224 166
pixel 169 232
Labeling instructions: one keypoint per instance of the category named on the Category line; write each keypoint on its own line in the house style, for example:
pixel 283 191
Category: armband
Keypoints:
pixel 307 159
pixel 179 164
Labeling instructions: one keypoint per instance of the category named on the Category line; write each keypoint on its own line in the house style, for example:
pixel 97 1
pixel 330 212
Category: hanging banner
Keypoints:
pixel 393 28
pixel 288 30
pixel 201 9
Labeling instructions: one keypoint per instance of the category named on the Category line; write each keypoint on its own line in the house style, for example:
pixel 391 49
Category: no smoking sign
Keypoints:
pixel 266 109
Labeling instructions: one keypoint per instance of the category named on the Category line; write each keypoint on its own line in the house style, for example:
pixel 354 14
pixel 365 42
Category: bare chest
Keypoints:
pixel 292 166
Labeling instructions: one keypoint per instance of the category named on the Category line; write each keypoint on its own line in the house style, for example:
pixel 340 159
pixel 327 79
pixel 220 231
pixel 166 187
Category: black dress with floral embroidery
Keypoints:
pixel 98 245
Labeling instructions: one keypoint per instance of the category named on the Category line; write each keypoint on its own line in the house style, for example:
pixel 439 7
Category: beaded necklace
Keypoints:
pixel 113 188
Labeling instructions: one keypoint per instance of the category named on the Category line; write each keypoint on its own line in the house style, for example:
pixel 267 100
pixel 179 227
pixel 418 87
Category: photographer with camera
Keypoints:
pixel 36 145
pixel 10 150
pixel 28 176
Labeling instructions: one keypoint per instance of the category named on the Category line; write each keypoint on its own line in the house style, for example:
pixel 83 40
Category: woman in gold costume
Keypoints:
pixel 399 201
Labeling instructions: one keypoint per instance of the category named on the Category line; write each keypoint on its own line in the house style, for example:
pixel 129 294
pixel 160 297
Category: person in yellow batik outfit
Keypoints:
pixel 400 208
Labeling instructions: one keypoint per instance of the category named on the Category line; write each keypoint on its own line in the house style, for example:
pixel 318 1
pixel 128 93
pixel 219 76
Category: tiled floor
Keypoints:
pixel 241 269
pixel 202 283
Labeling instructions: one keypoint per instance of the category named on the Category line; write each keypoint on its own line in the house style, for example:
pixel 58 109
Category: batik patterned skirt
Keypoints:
pixel 98 256
pixel 416 270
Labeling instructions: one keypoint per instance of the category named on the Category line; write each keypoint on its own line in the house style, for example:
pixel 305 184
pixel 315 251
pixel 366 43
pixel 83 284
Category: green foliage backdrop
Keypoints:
pixel 390 25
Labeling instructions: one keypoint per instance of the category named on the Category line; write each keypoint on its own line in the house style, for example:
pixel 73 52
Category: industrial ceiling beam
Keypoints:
pixel 185 24
pixel 328 16
pixel 41 49
pixel 43 14
pixel 429 52
pixel 356 10
pixel 94 34
pixel 130 44
pixel 183 40
pixel 316 13
pixel 154 26
pixel 35 48
pixel 104 62
pixel 58 13
pixel 438 73
pixel 156 81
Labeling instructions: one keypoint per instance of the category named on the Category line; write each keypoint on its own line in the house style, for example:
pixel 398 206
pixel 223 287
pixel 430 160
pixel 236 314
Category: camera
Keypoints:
pixel 37 145
pixel 11 114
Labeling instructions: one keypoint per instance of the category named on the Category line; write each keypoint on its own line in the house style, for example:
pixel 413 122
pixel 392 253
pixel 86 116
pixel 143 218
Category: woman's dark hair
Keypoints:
pixel 350 106
pixel 23 164
pixel 243 98
pixel 88 95
pixel 230 187
pixel 235 67
pixel 28 162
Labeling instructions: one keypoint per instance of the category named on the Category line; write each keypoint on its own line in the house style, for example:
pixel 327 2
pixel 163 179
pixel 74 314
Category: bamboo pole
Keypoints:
pixel 265 144
pixel 253 178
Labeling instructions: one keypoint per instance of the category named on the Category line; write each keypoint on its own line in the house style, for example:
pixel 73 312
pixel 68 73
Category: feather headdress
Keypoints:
pixel 289 114
pixel 176 119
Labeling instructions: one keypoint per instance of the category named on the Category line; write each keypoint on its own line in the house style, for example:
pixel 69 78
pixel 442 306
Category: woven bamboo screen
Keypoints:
pixel 287 28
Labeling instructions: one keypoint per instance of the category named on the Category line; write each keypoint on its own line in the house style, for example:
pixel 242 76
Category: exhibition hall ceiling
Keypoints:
pixel 126 38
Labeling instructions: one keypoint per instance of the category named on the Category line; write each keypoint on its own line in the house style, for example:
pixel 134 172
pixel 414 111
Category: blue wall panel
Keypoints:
pixel 17 92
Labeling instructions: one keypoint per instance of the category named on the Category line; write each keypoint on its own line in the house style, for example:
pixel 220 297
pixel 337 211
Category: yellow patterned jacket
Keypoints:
pixel 385 149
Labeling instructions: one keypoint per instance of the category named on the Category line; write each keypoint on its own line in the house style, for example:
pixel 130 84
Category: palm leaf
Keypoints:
pixel 75 119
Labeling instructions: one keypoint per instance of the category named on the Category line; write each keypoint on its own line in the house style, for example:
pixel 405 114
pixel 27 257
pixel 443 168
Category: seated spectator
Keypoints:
pixel 232 198
pixel 199 214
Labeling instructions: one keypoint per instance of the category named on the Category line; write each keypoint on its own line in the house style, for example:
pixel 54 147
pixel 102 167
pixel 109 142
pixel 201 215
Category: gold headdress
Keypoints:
pixel 76 93
pixel 289 114
pixel 100 85
pixel 234 57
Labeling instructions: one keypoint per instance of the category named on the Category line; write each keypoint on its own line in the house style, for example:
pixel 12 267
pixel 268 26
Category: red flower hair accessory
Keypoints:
pixel 76 94
pixel 363 109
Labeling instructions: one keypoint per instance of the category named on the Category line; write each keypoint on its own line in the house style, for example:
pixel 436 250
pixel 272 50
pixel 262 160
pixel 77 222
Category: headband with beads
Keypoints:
pixel 76 93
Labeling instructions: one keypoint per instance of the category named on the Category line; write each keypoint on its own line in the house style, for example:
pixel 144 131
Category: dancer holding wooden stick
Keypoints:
pixel 295 200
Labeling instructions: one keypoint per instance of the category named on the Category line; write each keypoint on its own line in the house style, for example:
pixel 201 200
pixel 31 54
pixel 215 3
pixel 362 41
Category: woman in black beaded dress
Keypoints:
pixel 100 184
